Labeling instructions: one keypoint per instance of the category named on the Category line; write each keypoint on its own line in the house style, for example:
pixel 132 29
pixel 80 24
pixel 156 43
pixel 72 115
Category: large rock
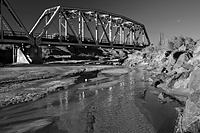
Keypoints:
pixel 179 70
pixel 196 57
pixel 188 67
pixel 182 48
pixel 195 61
pixel 194 83
pixel 120 52
pixel 190 118
pixel 180 61
pixel 170 63
pixel 134 59
pixel 181 84
pixel 197 48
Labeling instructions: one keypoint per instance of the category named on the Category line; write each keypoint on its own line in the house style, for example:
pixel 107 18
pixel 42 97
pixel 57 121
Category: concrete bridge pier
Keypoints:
pixel 32 55
pixel 35 54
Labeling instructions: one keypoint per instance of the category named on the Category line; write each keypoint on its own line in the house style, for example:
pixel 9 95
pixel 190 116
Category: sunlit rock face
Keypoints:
pixel 190 118
pixel 194 83
pixel 196 55
pixel 196 48
pixel 176 70
pixel 134 59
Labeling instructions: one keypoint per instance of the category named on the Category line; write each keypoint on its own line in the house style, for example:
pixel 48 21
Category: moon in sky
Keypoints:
pixel 178 21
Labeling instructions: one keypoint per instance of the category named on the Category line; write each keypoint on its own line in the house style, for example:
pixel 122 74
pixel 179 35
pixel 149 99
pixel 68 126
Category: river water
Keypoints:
pixel 95 103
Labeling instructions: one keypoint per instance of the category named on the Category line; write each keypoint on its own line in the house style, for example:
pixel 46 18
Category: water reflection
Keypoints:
pixel 131 78
pixel 66 100
pixel 96 92
pixel 61 104
pixel 110 88
pixel 130 85
pixel 110 97
pixel 49 105
pixel 81 103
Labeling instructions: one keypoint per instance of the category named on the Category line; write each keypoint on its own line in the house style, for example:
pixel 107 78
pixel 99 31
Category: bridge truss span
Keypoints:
pixel 65 26
pixel 88 26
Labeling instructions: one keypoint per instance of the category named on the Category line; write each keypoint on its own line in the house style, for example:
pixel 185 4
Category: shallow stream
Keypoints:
pixel 95 103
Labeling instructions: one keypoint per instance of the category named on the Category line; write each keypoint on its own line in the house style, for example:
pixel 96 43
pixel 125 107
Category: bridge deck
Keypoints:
pixel 22 38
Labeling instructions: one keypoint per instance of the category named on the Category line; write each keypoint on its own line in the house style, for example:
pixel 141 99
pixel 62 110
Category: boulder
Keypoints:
pixel 115 53
pixel 170 63
pixel 182 48
pixel 195 98
pixel 179 61
pixel 188 67
pixel 180 70
pixel 181 84
pixel 195 60
pixel 133 59
pixel 161 97
pixel 120 52
pixel 194 83
pixel 190 118
pixel 197 48
pixel 164 98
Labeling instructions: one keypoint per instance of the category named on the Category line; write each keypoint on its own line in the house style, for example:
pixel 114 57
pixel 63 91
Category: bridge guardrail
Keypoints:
pixel 16 33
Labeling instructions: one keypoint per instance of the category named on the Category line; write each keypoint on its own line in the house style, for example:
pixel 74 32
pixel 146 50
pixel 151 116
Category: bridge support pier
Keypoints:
pixel 35 54
pixel 14 54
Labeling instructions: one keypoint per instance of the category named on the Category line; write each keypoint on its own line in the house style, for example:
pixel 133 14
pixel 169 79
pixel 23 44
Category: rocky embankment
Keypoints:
pixel 177 72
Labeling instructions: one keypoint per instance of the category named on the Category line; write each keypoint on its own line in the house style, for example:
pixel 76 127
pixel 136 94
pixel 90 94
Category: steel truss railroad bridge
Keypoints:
pixel 75 26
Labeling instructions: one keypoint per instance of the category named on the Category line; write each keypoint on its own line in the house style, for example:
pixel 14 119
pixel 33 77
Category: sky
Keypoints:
pixel 171 17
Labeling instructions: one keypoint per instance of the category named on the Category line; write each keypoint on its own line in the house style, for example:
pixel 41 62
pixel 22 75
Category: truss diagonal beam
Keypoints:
pixel 71 27
pixel 137 38
pixel 103 33
pixel 37 23
pixel 146 35
pixel 45 13
pixel 54 11
pixel 117 31
pixel 126 39
pixel 16 18
pixel 49 22
pixel 88 27
pixel 103 28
